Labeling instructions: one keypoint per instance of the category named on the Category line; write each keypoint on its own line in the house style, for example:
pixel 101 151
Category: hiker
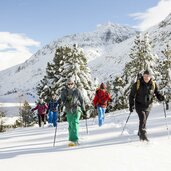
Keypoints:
pixel 141 96
pixel 101 99
pixel 41 107
pixel 53 111
pixel 73 102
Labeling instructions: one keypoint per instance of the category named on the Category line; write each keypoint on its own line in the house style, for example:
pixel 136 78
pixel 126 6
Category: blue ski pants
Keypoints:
pixel 52 118
pixel 101 115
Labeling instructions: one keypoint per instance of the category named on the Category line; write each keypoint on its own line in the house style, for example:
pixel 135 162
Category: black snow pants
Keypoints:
pixel 143 115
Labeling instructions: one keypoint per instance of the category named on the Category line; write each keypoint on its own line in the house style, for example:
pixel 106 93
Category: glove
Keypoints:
pixel 131 108
pixel 161 98
pixel 111 100
pixel 32 110
pixel 84 113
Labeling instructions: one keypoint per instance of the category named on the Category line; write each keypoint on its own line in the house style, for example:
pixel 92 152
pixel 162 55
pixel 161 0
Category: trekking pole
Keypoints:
pixel 126 122
pixel 55 134
pixel 94 116
pixel 86 126
pixel 167 127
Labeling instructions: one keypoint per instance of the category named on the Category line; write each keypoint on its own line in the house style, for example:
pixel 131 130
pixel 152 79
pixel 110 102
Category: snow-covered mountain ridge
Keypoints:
pixel 25 77
pixel 107 49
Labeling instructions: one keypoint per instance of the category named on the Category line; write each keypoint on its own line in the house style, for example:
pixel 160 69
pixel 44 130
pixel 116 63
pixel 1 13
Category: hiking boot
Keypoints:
pixel 143 137
pixel 50 125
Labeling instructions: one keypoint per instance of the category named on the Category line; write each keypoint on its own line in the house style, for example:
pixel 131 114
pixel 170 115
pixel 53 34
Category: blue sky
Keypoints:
pixel 38 22
pixel 45 20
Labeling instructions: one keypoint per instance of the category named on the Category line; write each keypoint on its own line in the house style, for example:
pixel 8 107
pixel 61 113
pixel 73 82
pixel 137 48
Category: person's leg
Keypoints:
pixel 101 113
pixel 50 117
pixel 55 116
pixel 73 121
pixel 39 120
pixel 143 115
pixel 43 118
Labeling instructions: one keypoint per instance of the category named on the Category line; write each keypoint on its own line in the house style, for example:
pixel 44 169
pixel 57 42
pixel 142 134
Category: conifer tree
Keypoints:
pixel 68 61
pixel 27 118
pixel 2 114
pixel 142 58
pixel 119 101
pixel 166 72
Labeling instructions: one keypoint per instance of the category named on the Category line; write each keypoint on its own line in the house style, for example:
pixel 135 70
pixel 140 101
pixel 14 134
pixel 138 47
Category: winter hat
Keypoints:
pixel 70 80
pixel 102 86
pixel 147 72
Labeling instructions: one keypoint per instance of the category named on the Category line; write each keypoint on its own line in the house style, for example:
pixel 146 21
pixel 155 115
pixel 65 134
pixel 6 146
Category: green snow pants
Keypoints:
pixel 73 121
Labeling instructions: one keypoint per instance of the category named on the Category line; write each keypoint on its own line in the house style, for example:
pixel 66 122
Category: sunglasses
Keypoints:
pixel 70 84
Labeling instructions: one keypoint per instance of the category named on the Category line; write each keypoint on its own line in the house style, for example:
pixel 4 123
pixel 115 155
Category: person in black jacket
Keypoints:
pixel 141 96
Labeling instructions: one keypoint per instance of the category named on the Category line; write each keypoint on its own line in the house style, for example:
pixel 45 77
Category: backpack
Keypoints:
pixel 138 85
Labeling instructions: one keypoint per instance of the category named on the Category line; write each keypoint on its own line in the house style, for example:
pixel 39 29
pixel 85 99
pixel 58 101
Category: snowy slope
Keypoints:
pixel 25 77
pixel 103 149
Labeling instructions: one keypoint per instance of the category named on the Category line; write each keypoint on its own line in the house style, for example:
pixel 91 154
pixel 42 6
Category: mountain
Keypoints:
pixel 22 79
pixel 114 57
pixel 107 49
pixel 161 34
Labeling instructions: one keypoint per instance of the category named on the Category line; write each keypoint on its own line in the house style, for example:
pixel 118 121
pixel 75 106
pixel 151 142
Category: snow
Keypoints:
pixel 103 149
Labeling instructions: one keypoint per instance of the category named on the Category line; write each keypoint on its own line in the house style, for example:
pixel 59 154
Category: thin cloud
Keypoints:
pixel 153 16
pixel 14 49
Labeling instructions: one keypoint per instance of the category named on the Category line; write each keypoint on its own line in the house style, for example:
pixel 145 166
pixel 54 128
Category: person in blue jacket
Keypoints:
pixel 53 111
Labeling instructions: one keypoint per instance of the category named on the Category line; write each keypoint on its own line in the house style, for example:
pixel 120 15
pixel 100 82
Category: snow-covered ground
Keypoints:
pixel 103 149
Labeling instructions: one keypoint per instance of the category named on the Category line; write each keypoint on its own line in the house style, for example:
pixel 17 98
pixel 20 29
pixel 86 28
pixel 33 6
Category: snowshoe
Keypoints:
pixel 72 144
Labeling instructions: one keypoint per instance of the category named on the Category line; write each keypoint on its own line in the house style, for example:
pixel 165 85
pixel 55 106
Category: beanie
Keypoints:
pixel 102 86
pixel 70 80
pixel 147 72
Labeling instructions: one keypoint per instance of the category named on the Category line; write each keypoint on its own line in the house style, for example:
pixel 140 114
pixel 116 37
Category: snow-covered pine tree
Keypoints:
pixel 142 58
pixel 165 84
pixel 54 80
pixel 119 101
pixel 2 114
pixel 68 61
pixel 27 118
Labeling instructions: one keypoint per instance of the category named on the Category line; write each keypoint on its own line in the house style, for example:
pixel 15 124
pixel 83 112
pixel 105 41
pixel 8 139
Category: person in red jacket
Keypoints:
pixel 100 102
pixel 41 107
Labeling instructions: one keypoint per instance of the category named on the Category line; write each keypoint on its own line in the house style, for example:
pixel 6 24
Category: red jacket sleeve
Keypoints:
pixel 95 100
pixel 36 107
pixel 109 97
